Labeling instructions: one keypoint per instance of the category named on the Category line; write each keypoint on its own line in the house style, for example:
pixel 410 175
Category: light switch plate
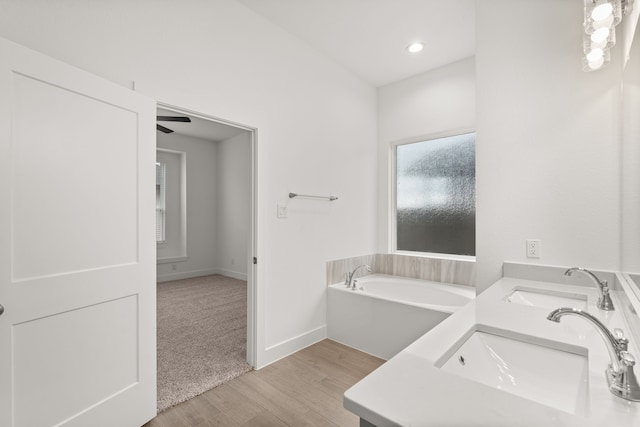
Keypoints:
pixel 283 210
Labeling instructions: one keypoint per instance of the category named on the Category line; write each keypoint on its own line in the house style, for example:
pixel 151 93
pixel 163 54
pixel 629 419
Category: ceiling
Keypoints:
pixel 369 37
pixel 199 128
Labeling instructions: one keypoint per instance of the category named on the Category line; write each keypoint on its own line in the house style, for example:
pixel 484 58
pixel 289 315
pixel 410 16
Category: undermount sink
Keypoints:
pixel 550 373
pixel 546 298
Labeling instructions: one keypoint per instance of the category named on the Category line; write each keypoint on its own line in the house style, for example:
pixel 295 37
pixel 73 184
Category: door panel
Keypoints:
pixel 70 181
pixel 77 247
pixel 108 365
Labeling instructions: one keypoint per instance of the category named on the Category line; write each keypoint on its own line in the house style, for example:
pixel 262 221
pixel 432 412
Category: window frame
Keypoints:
pixel 178 245
pixel 393 199
pixel 163 209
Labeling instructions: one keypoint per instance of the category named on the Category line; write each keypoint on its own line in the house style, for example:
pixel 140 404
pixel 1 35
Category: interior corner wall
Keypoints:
pixel 435 102
pixel 316 126
pixel 201 156
pixel 233 188
pixel 631 161
pixel 548 140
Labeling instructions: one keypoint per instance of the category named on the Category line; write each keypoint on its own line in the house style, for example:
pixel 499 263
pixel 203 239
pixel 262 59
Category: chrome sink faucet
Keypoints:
pixel 620 376
pixel 349 282
pixel 604 301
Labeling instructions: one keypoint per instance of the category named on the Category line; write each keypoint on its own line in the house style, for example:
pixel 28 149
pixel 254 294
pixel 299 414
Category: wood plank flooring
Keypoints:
pixel 304 389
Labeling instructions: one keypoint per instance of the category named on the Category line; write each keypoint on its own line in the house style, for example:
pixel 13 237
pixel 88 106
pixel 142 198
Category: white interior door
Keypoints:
pixel 77 247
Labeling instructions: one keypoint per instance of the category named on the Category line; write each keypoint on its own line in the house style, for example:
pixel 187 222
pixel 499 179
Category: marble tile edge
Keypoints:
pixel 553 273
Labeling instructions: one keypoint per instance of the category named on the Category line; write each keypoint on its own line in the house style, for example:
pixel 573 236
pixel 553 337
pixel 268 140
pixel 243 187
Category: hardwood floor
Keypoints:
pixel 304 389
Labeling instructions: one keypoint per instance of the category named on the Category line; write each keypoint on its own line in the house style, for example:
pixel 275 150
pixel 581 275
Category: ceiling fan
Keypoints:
pixel 170 119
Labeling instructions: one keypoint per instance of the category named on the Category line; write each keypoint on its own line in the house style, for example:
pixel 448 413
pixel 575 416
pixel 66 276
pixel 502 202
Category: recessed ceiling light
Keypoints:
pixel 415 47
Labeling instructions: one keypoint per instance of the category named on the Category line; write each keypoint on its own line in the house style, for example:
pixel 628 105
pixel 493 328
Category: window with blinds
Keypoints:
pixel 160 202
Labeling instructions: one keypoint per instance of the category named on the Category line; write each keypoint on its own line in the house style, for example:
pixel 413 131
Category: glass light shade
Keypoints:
pixel 596 61
pixel 603 38
pixel 600 35
pixel 602 11
pixel 599 13
pixel 595 55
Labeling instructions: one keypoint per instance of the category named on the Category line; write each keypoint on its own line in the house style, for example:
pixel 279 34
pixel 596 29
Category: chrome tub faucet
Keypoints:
pixel 349 281
pixel 620 376
pixel 604 301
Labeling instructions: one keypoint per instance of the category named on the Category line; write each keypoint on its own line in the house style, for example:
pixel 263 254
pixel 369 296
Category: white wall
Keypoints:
pixel 218 208
pixel 316 127
pixel 548 140
pixel 631 162
pixel 548 147
pixel 233 202
pixel 202 158
pixel 441 100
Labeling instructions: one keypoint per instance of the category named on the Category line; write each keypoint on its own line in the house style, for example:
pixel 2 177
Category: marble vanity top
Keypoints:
pixel 411 390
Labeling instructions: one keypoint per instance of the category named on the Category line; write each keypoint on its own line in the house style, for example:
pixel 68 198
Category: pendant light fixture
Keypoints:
pixel 600 20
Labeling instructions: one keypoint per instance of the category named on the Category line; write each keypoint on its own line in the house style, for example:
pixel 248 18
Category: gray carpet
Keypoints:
pixel 202 330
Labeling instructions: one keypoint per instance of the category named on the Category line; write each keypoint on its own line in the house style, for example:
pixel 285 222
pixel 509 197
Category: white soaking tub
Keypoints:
pixel 389 312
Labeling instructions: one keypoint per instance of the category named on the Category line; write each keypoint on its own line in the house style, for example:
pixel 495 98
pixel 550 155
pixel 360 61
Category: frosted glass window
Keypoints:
pixel 436 196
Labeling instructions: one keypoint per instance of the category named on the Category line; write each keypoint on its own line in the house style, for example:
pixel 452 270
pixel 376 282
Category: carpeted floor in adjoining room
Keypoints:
pixel 202 332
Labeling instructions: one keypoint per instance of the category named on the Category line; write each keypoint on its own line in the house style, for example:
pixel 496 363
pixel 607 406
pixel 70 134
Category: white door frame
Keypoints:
pixel 253 247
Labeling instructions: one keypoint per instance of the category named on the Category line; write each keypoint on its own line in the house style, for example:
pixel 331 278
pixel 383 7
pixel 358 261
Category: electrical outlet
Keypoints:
pixel 533 248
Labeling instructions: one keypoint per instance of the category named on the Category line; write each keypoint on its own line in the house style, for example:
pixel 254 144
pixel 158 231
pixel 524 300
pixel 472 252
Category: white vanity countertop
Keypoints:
pixel 409 390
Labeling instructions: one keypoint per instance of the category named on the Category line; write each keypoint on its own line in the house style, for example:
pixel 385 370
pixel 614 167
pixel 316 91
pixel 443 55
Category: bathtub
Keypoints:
pixel 389 312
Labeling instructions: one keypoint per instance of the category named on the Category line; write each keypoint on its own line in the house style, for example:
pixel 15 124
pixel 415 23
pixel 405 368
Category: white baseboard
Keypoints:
pixel 288 347
pixel 232 274
pixel 186 274
pixel 171 260
pixel 199 273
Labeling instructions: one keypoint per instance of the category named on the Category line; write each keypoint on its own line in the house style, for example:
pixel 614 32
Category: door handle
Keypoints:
pixel 1 309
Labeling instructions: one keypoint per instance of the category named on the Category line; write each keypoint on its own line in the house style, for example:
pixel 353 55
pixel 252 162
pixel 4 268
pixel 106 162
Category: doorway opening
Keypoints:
pixel 206 243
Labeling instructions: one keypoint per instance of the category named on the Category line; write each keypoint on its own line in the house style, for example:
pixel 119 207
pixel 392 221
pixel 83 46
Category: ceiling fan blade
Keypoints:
pixel 163 129
pixel 173 119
